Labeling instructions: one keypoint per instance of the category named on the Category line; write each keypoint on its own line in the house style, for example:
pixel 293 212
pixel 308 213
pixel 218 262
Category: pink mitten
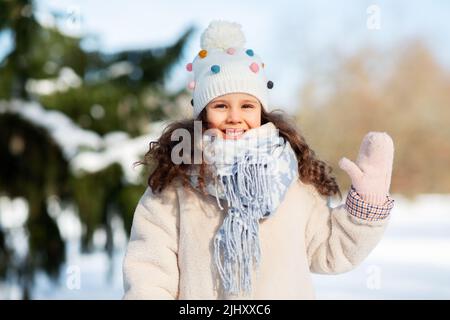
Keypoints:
pixel 371 175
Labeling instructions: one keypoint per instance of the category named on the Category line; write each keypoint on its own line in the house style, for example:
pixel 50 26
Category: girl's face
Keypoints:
pixel 233 114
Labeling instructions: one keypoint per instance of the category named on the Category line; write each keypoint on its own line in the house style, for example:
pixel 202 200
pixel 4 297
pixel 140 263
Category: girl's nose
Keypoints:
pixel 234 115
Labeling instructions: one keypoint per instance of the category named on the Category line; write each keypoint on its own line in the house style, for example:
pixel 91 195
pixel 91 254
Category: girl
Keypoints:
pixel 250 220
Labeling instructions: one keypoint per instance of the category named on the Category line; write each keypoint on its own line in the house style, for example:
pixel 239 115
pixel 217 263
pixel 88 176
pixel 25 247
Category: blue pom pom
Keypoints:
pixel 250 52
pixel 215 68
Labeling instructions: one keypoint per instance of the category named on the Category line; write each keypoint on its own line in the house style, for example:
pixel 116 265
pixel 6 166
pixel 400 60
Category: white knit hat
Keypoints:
pixel 224 66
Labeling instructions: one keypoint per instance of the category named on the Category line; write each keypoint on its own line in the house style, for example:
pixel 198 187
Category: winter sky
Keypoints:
pixel 288 35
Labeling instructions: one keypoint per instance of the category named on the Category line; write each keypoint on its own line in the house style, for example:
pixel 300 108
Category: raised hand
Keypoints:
pixel 371 174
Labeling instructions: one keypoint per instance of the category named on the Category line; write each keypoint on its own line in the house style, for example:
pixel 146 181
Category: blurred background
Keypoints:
pixel 86 85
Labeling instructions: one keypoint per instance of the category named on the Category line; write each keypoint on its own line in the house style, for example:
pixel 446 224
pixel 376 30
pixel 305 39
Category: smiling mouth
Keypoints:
pixel 233 133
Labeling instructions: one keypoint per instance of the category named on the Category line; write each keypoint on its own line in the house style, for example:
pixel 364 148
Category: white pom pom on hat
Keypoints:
pixel 224 65
pixel 222 35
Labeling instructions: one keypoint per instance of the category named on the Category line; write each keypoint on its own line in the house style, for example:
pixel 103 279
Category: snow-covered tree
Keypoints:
pixel 60 105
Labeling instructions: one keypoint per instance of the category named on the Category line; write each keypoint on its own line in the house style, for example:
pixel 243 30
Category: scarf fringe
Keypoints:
pixel 236 245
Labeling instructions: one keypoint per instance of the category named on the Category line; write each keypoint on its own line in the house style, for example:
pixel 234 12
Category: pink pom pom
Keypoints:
pixel 191 85
pixel 189 67
pixel 254 67
pixel 231 50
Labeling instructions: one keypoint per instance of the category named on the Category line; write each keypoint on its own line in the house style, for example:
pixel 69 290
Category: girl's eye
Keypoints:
pixel 247 106
pixel 220 106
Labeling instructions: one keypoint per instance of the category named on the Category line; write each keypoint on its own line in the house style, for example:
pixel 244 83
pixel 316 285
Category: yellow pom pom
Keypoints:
pixel 203 53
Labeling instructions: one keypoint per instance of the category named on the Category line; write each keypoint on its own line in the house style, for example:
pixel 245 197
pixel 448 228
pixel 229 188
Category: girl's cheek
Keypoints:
pixel 256 123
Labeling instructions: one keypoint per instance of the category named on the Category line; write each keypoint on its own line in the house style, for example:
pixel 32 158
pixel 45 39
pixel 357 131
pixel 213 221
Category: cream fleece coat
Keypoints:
pixel 169 255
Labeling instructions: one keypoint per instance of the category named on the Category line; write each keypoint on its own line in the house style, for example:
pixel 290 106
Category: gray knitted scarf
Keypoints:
pixel 252 174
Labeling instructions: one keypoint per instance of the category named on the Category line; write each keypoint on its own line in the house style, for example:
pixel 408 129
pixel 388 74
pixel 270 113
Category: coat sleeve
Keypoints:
pixel 150 265
pixel 338 239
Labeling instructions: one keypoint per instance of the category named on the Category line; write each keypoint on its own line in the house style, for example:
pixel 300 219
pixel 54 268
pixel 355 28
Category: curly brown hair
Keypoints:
pixel 163 170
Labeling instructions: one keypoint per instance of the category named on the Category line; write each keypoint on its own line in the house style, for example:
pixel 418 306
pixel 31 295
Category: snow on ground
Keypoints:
pixel 412 261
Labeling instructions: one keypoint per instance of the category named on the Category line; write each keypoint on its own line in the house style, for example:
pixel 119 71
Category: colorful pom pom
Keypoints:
pixel 215 68
pixel 270 84
pixel 203 53
pixel 254 67
pixel 231 50
pixel 192 102
pixel 189 67
pixel 191 85
pixel 250 52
